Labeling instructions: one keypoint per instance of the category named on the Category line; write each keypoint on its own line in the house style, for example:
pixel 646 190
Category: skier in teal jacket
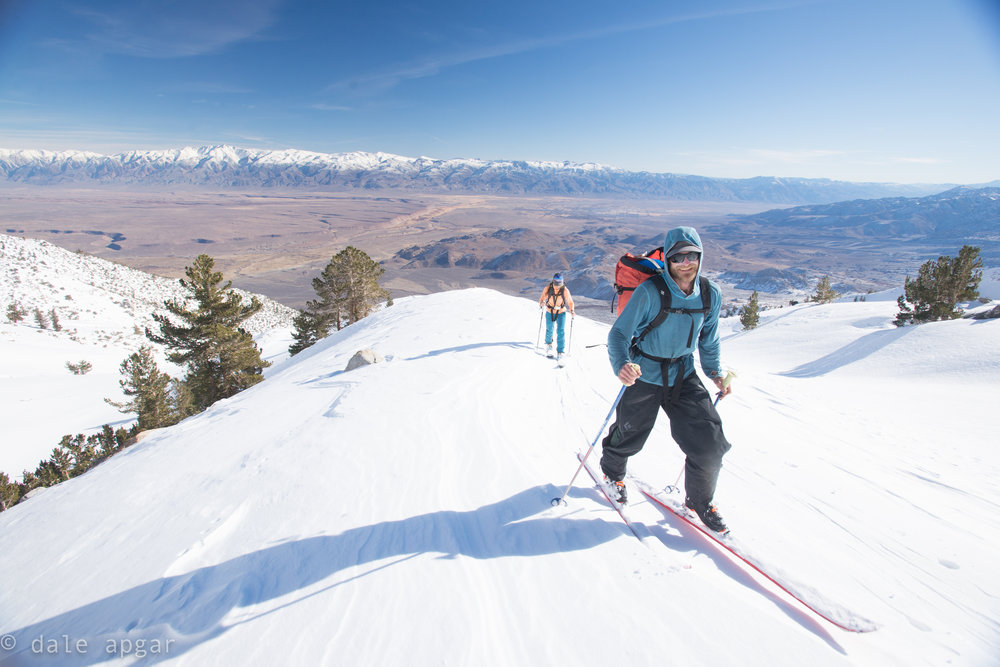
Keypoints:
pixel 659 372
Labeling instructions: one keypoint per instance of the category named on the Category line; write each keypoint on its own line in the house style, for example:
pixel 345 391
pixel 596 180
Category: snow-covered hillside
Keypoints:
pixel 399 513
pixel 102 309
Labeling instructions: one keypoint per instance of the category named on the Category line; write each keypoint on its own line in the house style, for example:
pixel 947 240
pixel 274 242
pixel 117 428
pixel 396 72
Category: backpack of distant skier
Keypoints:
pixel 632 270
pixel 555 300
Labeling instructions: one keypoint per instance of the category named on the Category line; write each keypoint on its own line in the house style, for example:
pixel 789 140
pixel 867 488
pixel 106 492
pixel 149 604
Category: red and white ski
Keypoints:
pixel 811 599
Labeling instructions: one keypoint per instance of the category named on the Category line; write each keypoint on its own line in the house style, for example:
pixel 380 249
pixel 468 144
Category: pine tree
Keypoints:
pixel 750 313
pixel 81 367
pixel 939 287
pixel 10 492
pixel 308 330
pixel 56 469
pixel 347 289
pixel 55 320
pixel 15 313
pixel 220 356
pixel 350 283
pixel 40 319
pixel 76 454
pixel 824 292
pixel 147 387
pixel 181 400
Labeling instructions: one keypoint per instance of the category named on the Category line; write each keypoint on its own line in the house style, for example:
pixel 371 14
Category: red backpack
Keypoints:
pixel 632 270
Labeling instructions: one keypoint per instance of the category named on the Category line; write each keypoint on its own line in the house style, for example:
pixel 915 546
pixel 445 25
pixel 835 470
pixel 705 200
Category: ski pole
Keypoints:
pixel 725 383
pixel 569 343
pixel 538 338
pixel 676 485
pixel 614 406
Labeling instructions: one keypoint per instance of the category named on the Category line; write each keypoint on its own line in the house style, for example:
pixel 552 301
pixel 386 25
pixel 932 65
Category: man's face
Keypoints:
pixel 687 269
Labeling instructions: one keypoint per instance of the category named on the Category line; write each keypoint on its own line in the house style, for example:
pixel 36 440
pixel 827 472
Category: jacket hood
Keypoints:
pixel 678 238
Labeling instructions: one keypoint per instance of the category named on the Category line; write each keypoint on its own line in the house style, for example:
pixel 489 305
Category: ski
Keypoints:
pixel 826 609
pixel 597 477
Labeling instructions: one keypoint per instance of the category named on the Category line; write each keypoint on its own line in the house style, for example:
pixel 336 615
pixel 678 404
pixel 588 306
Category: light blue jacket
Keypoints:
pixel 669 340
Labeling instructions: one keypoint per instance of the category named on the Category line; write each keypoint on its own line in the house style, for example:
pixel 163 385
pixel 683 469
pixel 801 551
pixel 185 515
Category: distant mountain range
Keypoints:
pixel 231 167
pixel 960 214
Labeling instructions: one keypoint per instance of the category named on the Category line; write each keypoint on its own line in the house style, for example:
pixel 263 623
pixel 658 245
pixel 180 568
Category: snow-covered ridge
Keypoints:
pixel 302 504
pixel 223 155
pixel 230 166
pixel 96 300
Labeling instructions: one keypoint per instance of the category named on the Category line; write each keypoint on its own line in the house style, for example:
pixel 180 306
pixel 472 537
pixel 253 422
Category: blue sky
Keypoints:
pixel 862 90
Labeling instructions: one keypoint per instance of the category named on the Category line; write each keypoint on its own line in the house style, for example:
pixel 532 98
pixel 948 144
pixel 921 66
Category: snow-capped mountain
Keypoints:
pixel 230 167
pixel 101 310
pixel 400 513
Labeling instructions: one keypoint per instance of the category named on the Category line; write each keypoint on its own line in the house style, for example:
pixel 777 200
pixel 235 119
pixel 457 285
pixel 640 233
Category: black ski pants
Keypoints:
pixel 694 424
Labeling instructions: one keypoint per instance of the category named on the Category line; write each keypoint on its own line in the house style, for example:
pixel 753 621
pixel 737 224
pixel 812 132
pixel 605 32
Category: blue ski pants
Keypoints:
pixel 557 321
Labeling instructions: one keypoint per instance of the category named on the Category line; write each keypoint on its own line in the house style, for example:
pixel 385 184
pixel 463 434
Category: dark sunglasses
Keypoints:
pixel 681 257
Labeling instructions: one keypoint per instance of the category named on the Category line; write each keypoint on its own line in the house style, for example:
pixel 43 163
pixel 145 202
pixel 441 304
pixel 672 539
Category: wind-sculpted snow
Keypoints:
pixel 399 513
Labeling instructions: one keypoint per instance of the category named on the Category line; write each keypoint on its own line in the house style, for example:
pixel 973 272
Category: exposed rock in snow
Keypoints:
pixel 364 358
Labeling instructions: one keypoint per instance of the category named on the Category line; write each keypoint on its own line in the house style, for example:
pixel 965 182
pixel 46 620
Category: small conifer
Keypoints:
pixel 10 492
pixel 824 292
pixel 750 313
pixel 147 389
pixel 939 286
pixel 15 313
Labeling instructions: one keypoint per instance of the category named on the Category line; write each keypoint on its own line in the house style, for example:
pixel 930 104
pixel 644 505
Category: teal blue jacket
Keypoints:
pixel 669 340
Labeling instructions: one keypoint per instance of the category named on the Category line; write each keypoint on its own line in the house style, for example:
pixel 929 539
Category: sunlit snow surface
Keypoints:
pixel 399 513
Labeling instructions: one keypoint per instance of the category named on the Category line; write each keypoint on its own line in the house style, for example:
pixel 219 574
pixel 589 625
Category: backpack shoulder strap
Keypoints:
pixel 665 302
pixel 666 305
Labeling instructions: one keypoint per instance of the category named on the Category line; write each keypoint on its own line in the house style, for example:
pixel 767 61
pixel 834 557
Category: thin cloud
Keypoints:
pixel 330 107
pixel 205 88
pixel 382 81
pixel 917 160
pixel 184 28
pixel 795 156
pixel 759 156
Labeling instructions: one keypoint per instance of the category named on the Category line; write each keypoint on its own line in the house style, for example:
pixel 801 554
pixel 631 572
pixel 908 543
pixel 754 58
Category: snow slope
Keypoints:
pixel 103 309
pixel 399 513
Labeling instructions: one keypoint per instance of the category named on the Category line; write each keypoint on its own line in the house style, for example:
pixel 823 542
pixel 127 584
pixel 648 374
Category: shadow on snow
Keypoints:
pixel 190 608
pixel 854 351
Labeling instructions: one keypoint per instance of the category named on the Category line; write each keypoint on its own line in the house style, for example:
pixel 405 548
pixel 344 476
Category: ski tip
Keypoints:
pixel 859 625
